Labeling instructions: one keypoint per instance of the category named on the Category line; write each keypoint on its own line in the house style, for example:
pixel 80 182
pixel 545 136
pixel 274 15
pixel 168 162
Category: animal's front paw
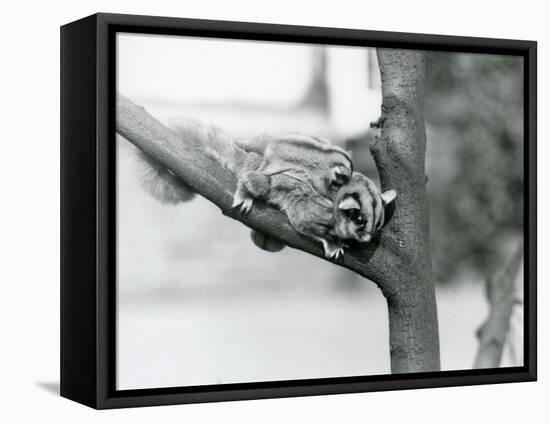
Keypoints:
pixel 333 251
pixel 245 204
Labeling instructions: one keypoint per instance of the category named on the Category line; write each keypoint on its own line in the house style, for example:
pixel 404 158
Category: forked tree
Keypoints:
pixel 399 260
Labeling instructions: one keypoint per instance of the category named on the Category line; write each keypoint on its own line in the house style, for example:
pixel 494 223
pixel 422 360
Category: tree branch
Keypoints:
pixel 217 184
pixel 502 296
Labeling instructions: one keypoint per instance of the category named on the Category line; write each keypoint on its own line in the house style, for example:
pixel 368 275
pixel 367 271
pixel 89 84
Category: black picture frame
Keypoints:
pixel 88 210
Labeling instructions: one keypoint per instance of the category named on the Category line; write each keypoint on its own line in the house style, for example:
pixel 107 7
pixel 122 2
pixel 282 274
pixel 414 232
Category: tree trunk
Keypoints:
pixel 399 152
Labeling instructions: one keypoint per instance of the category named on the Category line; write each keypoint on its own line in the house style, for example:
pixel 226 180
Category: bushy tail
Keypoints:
pixel 161 183
pixel 164 185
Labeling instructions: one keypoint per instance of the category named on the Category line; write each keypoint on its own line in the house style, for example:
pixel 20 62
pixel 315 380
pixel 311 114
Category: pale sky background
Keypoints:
pixel 186 70
pixel 209 70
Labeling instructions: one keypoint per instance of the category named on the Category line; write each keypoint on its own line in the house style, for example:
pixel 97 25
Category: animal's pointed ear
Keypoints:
pixel 350 154
pixel 349 203
pixel 340 175
pixel 389 196
pixel 340 171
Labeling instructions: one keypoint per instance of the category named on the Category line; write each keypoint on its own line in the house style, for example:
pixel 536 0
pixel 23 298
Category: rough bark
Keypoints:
pixel 399 152
pixel 502 296
pixel 398 260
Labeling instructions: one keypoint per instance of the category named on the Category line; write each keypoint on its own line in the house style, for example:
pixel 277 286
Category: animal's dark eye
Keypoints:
pixel 360 220
pixel 351 213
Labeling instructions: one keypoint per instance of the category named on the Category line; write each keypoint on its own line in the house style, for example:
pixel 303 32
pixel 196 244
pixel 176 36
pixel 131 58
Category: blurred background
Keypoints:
pixel 198 303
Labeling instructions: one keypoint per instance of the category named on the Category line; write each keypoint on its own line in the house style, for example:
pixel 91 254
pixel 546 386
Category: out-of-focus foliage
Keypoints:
pixel 474 112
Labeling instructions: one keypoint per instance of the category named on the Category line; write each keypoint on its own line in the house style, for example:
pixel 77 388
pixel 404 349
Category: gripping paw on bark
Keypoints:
pixel 333 251
pixel 245 203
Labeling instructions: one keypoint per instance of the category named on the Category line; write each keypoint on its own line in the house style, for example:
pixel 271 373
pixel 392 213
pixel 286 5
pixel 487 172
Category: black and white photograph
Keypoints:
pixel 293 211
pixel 277 211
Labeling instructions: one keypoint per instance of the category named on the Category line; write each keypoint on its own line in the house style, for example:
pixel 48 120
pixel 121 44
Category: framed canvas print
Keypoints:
pixel 255 211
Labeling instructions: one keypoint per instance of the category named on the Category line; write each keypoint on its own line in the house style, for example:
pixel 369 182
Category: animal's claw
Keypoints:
pixel 246 205
pixel 236 203
pixel 332 251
